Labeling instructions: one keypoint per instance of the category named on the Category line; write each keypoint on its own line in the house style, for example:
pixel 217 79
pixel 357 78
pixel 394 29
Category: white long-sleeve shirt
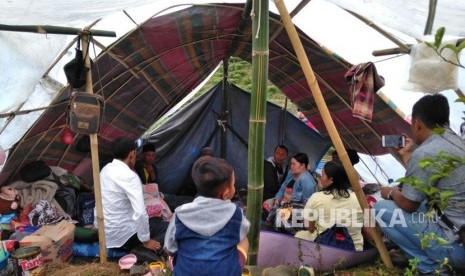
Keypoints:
pixel 123 206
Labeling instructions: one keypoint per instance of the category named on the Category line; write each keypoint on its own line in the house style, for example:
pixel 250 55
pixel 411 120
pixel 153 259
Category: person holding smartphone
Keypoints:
pixel 402 217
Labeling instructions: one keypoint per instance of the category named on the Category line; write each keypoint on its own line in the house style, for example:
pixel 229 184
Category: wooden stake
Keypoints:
pixel 95 158
pixel 330 126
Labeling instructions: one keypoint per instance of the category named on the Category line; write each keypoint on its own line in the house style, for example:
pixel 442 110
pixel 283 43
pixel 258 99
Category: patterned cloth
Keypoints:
pixel 44 213
pixel 364 82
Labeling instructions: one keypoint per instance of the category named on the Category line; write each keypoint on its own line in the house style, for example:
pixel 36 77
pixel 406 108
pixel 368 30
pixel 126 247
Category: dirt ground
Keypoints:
pixel 92 267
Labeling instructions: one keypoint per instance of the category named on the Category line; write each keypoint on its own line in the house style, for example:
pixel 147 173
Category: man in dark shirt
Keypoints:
pixel 274 171
pixel 146 168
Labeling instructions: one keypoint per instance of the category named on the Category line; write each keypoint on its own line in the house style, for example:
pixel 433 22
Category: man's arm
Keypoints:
pixel 402 202
pixel 133 189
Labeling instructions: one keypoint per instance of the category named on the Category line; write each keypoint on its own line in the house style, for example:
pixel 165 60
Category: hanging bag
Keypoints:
pixel 75 70
pixel 85 112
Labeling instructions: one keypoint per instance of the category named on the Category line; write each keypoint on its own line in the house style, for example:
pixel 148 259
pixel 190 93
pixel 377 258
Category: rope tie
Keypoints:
pixel 255 187
pixel 221 124
pixel 263 53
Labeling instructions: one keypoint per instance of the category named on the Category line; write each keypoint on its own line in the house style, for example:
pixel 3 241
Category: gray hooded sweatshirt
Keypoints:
pixel 205 216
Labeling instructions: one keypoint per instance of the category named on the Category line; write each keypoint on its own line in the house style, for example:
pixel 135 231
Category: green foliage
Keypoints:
pixel 412 268
pixel 440 166
pixel 436 46
pixel 240 74
pixel 430 239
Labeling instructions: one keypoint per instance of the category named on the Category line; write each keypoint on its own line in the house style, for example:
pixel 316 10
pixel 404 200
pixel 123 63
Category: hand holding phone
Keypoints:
pixel 393 141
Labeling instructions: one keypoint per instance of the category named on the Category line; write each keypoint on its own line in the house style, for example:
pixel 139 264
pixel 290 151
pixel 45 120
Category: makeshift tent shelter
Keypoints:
pixel 151 65
pixel 28 69
pixel 162 76
pixel 181 138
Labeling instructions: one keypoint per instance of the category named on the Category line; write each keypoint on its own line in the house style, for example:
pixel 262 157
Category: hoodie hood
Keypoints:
pixel 206 216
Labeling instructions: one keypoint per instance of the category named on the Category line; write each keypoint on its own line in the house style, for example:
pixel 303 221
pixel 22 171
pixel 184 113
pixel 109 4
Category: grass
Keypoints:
pixel 92 267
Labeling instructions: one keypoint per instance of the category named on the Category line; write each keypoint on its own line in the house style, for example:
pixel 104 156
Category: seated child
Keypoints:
pixel 209 235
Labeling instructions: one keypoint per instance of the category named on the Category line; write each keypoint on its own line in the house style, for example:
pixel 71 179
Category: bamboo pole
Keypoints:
pixel 398 50
pixel 334 135
pixel 391 51
pixel 260 57
pixel 431 15
pixel 370 23
pixel 95 158
pixel 47 29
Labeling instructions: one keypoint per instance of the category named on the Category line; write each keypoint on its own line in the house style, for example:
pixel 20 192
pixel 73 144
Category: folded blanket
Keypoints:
pixel 33 192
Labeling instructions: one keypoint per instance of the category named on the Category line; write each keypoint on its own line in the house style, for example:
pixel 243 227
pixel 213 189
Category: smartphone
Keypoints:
pixel 393 141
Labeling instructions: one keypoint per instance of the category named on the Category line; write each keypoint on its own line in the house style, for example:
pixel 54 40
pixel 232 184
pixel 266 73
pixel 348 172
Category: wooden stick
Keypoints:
pixel 334 135
pixel 390 51
pixel 95 158
pixel 46 29
pixel 381 31
pixel 399 50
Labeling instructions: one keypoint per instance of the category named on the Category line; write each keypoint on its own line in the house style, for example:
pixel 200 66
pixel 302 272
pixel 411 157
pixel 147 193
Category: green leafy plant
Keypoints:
pixel 436 46
pixel 412 268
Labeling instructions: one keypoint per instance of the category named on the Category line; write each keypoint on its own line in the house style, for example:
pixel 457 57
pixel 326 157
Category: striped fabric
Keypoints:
pixel 150 70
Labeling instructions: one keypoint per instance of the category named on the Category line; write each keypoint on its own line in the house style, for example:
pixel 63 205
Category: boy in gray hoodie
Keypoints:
pixel 209 235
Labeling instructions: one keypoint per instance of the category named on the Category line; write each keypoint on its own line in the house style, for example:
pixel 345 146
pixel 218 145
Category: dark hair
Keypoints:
pixel 341 184
pixel 207 151
pixel 148 147
pixel 210 174
pixel 121 147
pixel 301 158
pixel 281 147
pixel 432 110
pixel 352 154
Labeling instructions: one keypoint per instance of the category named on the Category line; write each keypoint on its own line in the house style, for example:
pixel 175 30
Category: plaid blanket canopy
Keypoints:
pixel 148 71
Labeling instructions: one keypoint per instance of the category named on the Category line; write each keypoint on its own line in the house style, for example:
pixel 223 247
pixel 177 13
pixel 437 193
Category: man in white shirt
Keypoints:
pixel 127 224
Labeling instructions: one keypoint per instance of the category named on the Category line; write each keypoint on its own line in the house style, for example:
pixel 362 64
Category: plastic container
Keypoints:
pixel 3 259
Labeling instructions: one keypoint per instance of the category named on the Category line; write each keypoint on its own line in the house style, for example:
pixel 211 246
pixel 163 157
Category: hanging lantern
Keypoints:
pixel 67 137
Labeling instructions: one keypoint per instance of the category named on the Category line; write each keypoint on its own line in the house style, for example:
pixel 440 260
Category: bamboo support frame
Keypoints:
pixel 399 50
pixel 47 29
pixel 95 159
pixel 381 31
pixel 334 135
pixel 257 121
pixel 431 14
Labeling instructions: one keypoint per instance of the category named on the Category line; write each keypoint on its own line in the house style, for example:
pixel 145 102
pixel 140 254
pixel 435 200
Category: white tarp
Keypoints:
pixel 410 16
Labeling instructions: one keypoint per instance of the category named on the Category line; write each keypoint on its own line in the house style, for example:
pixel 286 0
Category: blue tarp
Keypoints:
pixel 180 140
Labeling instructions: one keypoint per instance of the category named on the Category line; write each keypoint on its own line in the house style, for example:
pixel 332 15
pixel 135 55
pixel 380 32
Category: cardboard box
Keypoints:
pixel 56 241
